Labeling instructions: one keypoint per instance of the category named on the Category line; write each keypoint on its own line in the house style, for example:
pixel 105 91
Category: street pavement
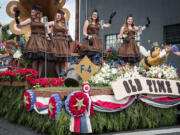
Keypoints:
pixel 8 128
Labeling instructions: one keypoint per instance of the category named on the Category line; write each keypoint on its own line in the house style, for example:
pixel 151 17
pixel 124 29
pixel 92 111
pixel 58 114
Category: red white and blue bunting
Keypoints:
pixel 41 105
pixel 80 105
pixel 108 103
pixel 161 101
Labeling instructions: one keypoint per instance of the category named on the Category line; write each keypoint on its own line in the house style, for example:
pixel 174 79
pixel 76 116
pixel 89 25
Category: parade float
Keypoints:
pixel 111 96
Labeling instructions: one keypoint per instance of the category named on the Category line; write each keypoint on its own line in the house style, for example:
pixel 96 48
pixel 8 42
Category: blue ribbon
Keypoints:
pixel 33 99
pixel 58 104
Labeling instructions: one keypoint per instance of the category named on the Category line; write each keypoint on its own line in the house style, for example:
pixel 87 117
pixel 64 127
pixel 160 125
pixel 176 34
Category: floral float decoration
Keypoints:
pixel 120 62
pixel 46 82
pixel 97 59
pixel 29 99
pixel 78 106
pixel 73 60
pixel 54 106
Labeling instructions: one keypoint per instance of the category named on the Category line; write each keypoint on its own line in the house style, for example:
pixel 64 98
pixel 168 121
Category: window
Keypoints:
pixel 172 34
pixel 110 39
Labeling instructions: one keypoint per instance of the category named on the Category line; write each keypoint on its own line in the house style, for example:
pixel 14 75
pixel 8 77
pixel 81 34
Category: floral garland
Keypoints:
pixel 56 82
pixel 29 99
pixel 107 74
pixel 164 72
pixel 54 106
pixel 46 82
pixel 77 103
pixel 7 75
pixel 30 75
pixel 19 75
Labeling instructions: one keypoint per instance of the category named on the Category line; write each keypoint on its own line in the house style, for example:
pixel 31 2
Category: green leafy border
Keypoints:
pixel 138 115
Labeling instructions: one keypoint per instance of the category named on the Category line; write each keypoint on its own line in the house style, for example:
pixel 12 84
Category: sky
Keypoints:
pixel 70 5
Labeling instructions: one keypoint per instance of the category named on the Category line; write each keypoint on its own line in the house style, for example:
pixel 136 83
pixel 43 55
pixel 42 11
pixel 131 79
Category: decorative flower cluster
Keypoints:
pixel 164 71
pixel 2 47
pixel 17 54
pixel 7 75
pixel 111 54
pixel 128 72
pixel 30 75
pixel 18 75
pixel 46 82
pixel 107 74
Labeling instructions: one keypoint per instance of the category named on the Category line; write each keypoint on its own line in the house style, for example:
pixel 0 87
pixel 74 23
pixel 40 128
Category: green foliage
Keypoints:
pixel 112 53
pixel 25 63
pixel 138 115
pixel 5 33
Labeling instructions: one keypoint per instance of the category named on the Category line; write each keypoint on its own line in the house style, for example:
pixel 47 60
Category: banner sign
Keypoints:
pixel 133 86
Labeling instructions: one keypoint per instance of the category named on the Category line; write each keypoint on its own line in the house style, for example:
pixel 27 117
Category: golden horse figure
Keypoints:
pixel 157 57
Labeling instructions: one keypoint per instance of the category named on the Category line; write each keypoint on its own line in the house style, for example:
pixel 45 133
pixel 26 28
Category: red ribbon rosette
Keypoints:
pixel 54 106
pixel 29 99
pixel 77 103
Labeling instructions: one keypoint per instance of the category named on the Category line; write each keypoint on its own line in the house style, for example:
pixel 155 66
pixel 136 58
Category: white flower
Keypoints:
pixel 114 71
pixel 17 54
pixel 159 75
pixel 163 71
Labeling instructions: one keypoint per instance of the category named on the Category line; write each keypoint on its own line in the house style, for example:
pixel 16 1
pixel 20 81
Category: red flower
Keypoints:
pixel 105 54
pixel 56 82
pixel 43 82
pixel 0 25
pixel 34 74
pixel 13 74
pixel 33 82
pixel 28 78
pixel 17 46
pixel 177 72
pixel 62 79
pixel 110 50
pixel 10 53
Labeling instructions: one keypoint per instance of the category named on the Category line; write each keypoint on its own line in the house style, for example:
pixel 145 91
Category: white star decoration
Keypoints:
pixel 79 103
pixel 26 102
pixel 51 107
